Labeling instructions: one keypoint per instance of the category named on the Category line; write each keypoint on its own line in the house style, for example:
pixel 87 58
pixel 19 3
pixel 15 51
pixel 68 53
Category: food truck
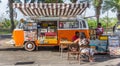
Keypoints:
pixel 48 23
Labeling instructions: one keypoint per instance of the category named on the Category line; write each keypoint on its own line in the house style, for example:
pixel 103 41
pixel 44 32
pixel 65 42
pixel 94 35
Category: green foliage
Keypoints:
pixel 106 22
pixel 4 31
pixel 92 23
pixel 5 26
pixel 113 5
pixel 97 3
pixel 6 23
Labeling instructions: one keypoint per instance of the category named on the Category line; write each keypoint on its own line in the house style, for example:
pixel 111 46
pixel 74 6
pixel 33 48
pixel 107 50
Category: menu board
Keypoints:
pixel 114 45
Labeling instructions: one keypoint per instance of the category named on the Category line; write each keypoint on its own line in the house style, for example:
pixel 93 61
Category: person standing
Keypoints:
pixel 114 28
pixel 99 30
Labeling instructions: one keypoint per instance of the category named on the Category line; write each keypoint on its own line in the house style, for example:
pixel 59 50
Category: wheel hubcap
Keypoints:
pixel 29 45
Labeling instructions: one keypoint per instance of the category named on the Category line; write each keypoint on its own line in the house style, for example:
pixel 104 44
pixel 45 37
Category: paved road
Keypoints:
pixel 45 56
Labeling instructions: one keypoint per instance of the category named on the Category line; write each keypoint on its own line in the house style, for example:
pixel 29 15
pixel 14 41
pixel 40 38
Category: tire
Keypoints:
pixel 29 46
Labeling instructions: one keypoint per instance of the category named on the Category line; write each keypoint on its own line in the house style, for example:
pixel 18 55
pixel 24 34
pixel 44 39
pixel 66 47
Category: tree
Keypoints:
pixel 113 5
pixel 10 2
pixel 97 4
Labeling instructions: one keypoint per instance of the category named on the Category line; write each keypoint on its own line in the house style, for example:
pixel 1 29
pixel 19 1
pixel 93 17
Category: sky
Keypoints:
pixel 89 11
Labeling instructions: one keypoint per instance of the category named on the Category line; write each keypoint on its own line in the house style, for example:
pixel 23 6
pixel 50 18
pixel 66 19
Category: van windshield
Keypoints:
pixel 27 25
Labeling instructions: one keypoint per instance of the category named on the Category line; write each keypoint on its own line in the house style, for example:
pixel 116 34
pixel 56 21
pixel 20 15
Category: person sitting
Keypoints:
pixel 83 43
pixel 76 36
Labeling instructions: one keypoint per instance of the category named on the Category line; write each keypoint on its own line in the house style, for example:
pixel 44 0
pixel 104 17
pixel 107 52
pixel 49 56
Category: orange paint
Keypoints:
pixel 68 34
pixel 18 36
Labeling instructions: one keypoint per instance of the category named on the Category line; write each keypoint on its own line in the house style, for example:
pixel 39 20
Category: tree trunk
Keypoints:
pixel 98 19
pixel 11 14
pixel 98 14
pixel 97 4
pixel 118 15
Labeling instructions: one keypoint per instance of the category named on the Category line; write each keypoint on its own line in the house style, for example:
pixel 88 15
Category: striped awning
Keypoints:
pixel 51 9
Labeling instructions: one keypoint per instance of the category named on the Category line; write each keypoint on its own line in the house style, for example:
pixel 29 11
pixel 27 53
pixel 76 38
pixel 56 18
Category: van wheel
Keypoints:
pixel 29 46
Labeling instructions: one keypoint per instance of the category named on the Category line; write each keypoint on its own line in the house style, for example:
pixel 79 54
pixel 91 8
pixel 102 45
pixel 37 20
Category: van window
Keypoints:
pixel 68 25
pixel 83 24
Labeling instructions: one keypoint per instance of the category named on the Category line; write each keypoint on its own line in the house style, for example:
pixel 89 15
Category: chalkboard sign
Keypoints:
pixel 114 45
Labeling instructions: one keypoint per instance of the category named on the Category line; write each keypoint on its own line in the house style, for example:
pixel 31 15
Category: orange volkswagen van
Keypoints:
pixel 47 31
pixel 46 24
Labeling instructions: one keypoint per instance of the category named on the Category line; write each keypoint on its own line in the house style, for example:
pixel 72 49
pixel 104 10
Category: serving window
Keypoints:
pixel 68 25
pixel 72 25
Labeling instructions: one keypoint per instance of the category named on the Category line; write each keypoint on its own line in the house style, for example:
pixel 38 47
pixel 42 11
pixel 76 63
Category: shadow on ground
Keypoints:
pixel 54 49
pixel 12 49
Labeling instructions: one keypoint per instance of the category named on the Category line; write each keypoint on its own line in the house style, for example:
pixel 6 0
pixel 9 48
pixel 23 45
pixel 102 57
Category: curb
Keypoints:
pixel 5 36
